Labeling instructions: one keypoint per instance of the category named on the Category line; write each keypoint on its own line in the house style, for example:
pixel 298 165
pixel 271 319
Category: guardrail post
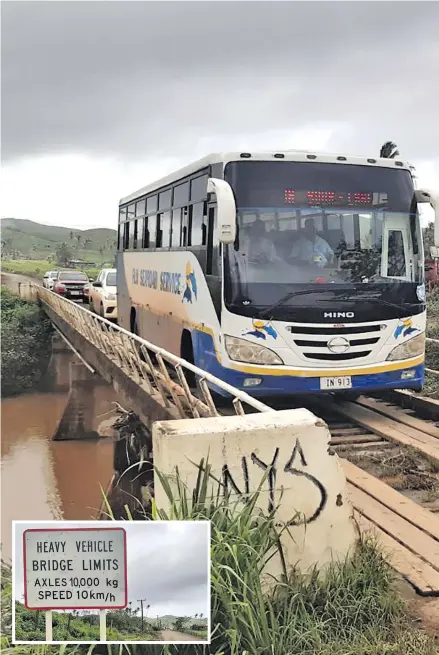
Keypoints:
pixel 304 484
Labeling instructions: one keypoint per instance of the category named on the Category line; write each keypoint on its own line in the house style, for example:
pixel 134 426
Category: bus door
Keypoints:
pixel 397 257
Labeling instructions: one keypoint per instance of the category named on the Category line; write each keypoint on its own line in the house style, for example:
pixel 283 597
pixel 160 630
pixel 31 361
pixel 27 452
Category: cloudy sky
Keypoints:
pixel 100 98
pixel 168 563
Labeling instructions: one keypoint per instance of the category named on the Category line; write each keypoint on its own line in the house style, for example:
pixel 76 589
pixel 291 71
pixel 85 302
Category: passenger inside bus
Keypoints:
pixel 260 247
pixel 312 248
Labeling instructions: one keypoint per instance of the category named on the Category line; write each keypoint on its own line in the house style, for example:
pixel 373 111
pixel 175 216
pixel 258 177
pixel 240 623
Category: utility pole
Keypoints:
pixel 141 601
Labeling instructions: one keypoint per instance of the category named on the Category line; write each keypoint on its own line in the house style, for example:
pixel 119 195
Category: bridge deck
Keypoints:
pixel 408 533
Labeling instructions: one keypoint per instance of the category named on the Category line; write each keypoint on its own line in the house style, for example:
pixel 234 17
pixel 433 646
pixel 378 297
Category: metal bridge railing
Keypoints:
pixel 167 376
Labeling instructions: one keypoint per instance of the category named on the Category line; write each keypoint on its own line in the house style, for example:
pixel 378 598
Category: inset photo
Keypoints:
pixel 111 581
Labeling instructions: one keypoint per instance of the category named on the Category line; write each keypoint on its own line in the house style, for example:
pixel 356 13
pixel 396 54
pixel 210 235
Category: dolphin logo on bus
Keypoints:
pixel 191 284
pixel 260 330
pixel 404 327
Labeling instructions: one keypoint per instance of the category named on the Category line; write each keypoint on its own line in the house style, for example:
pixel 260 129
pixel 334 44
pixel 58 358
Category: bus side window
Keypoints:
pixel 158 237
pixel 151 232
pixel 131 235
pixel 165 229
pixel 197 225
pixel 119 236
pixel 126 235
pixel 135 234
pixel 139 235
pixel 146 232
pixel 184 226
pixel 176 228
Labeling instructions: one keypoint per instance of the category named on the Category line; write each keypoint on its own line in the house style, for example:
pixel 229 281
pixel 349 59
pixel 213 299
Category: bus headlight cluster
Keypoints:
pixel 241 350
pixel 110 296
pixel 411 348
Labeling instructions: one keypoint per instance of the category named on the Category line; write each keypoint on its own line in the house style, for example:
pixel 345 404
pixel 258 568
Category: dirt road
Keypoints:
pixel 11 280
pixel 172 635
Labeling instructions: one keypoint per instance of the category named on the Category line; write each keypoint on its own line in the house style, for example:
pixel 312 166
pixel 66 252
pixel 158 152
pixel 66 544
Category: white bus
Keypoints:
pixel 280 273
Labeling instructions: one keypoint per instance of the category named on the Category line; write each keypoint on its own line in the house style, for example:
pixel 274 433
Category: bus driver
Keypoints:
pixel 310 247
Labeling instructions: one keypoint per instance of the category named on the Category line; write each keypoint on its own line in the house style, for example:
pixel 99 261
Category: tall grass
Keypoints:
pixel 353 610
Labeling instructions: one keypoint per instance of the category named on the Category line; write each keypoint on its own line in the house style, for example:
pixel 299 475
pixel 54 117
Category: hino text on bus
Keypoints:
pixel 281 273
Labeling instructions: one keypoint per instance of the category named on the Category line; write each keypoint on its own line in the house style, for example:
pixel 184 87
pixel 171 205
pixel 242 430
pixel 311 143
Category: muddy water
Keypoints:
pixel 43 479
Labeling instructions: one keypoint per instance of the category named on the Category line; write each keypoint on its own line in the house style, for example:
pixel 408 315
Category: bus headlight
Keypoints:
pixel 411 348
pixel 241 350
pixel 110 296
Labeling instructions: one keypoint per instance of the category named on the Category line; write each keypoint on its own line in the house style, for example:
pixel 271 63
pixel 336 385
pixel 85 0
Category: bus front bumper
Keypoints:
pixel 409 377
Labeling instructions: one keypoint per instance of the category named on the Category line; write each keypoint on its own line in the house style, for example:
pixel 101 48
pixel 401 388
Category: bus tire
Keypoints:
pixel 133 322
pixel 187 353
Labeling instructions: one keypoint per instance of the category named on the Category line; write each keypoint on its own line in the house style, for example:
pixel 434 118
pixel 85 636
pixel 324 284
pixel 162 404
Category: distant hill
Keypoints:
pixel 37 241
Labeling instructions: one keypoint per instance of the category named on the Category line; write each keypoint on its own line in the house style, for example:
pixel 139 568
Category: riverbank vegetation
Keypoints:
pixel 355 609
pixel 25 336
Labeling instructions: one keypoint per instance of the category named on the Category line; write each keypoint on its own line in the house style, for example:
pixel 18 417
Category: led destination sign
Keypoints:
pixel 74 568
pixel 334 198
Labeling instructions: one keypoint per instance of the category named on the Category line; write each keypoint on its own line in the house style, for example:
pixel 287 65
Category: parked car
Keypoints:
pixel 49 279
pixel 70 284
pixel 87 291
pixel 103 294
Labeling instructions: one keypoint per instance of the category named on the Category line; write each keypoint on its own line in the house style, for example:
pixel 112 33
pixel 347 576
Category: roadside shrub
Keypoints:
pixel 25 337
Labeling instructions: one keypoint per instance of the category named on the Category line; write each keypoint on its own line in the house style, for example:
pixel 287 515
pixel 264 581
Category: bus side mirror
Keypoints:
pixel 422 195
pixel 226 209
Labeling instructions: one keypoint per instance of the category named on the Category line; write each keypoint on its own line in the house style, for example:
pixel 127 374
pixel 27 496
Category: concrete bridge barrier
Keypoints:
pixel 305 480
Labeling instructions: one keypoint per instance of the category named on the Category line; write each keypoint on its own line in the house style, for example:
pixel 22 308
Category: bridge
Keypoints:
pixel 160 387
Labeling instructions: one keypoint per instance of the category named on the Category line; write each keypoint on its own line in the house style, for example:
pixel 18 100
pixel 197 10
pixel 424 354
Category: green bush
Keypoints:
pixel 25 336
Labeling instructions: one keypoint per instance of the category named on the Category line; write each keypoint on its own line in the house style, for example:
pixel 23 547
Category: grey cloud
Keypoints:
pixel 150 79
pixel 171 571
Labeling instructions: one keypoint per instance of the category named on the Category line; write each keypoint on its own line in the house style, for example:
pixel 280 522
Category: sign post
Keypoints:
pixel 48 625
pixel 75 568
pixel 103 624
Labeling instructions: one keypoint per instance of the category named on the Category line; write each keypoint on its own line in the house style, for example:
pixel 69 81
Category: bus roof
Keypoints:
pixel 288 155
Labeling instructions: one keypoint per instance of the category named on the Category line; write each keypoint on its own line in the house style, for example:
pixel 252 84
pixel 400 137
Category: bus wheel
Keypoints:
pixel 133 322
pixel 187 353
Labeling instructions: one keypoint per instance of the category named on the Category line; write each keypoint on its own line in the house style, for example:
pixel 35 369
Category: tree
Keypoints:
pixel 179 622
pixel 389 150
pixel 428 234
pixel 71 235
pixel 63 254
pixel 6 246
pixel 78 239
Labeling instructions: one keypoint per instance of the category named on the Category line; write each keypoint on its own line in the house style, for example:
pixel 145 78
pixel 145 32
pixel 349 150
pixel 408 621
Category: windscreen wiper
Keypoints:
pixel 289 295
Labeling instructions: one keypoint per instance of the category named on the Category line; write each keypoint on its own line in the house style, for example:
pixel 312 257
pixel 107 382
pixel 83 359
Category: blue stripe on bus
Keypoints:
pixel 205 358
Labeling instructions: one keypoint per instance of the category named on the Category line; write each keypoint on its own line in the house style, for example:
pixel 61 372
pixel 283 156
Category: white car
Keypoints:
pixel 49 279
pixel 103 294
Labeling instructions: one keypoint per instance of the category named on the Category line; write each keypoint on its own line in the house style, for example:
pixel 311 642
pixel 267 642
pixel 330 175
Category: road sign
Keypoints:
pixel 75 568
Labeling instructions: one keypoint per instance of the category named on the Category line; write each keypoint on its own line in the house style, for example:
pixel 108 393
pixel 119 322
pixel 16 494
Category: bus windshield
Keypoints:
pixel 305 223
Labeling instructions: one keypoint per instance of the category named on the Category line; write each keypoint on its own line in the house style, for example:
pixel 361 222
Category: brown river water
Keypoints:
pixel 44 479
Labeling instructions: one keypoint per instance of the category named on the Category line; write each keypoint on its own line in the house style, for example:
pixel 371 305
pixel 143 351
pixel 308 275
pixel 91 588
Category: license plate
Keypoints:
pixel 341 382
pixel 75 293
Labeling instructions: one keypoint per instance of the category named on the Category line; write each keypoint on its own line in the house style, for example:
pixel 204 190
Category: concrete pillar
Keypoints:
pixel 78 417
pixel 305 480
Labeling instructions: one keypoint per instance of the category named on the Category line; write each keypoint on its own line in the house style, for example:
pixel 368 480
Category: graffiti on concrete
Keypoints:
pixel 272 468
